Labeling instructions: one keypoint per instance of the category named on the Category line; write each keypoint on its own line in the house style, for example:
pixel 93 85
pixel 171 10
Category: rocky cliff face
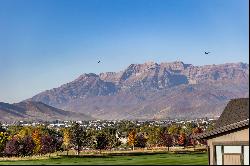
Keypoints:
pixel 153 90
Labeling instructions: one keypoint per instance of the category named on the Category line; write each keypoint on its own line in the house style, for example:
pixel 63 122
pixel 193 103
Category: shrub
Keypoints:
pixel 26 146
pixel 12 147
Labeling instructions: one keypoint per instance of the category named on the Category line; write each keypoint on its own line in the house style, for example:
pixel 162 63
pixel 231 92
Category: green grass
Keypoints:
pixel 138 159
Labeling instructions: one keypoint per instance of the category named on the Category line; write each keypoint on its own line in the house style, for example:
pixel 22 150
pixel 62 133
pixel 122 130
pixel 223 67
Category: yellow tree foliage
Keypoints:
pixel 25 131
pixel 131 138
pixel 36 136
pixel 174 130
pixel 3 140
pixel 66 139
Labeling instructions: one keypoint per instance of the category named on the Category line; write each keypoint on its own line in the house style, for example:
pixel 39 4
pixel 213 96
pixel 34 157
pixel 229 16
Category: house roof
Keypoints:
pixel 235 111
pixel 224 129
pixel 234 117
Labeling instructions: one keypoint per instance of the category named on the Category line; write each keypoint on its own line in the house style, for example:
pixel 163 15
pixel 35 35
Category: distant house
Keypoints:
pixel 228 142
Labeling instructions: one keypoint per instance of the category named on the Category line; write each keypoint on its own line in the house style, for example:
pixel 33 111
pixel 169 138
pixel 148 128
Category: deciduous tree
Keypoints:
pixel 3 140
pixel 174 131
pixel 112 137
pixel 131 138
pixel 66 139
pixel 27 146
pixel 195 131
pixel 79 137
pixel 12 147
pixel 166 139
pixel 47 144
pixel 102 141
pixel 36 136
pixel 153 136
pixel 182 139
pixel 140 140
pixel 25 131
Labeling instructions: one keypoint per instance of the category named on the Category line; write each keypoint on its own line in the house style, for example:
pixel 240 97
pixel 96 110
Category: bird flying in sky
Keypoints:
pixel 98 61
pixel 207 52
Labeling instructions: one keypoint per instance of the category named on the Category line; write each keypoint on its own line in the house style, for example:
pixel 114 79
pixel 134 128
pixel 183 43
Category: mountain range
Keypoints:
pixel 152 91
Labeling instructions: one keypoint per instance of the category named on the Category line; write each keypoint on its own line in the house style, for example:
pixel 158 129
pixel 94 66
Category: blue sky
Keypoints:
pixel 46 43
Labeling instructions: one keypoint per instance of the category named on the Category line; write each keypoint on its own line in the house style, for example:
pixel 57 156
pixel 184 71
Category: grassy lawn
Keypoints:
pixel 138 158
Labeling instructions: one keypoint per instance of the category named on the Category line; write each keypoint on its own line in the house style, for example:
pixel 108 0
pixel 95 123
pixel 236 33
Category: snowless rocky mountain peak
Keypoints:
pixel 167 89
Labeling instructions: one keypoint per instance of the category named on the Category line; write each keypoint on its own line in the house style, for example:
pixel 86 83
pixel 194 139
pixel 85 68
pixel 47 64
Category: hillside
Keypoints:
pixel 36 111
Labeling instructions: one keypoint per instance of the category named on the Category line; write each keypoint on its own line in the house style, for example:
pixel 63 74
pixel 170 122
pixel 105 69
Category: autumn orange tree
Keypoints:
pixel 36 136
pixel 195 131
pixel 182 139
pixel 131 138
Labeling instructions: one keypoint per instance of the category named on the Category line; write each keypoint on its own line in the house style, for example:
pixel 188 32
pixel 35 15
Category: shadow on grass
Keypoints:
pixel 109 155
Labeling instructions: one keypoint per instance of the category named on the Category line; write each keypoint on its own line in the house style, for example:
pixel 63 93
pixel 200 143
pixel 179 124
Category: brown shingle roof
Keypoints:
pixel 234 116
pixel 224 129
pixel 235 111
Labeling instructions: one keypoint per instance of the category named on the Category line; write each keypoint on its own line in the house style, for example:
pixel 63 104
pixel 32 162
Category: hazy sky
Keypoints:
pixel 46 43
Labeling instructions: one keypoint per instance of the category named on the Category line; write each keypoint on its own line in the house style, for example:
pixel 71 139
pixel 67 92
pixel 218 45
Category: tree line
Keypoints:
pixel 39 140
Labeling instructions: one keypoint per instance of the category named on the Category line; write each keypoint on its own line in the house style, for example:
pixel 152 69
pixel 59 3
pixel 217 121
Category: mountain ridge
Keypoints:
pixel 36 111
pixel 171 88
